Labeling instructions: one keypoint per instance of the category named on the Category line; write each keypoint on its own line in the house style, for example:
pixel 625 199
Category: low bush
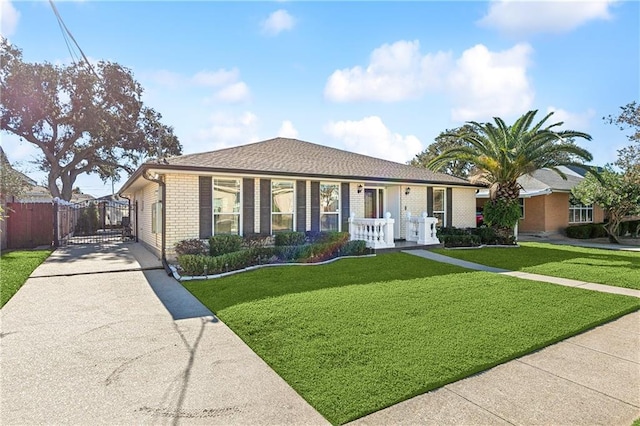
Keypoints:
pixel 223 244
pixel 634 228
pixel 487 235
pixel 192 246
pixel 579 231
pixel 313 237
pixel 256 240
pixel 289 238
pixel 198 264
pixel 598 230
pixel 354 248
pixel 460 240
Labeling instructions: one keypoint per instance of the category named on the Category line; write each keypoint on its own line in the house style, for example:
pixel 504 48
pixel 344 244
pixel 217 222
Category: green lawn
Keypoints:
pixel 617 268
pixel 15 268
pixel 358 335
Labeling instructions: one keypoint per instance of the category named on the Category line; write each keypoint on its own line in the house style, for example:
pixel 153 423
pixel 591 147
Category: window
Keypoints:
pixel 156 214
pixel 329 207
pixel 439 206
pixel 578 212
pixel 521 202
pixel 226 206
pixel 282 199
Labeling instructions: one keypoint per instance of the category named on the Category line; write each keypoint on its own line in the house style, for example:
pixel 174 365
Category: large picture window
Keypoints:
pixel 580 213
pixel 282 209
pixel 329 207
pixel 226 206
pixel 439 206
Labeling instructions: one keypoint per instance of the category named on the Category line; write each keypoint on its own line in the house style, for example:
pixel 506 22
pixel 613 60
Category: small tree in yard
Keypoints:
pixel 617 193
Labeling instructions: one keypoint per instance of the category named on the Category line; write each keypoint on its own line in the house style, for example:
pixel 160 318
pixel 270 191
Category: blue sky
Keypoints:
pixel 378 78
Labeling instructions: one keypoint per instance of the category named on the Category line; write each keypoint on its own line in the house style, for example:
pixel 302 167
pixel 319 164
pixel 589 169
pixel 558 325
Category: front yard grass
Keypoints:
pixel 358 335
pixel 616 268
pixel 15 268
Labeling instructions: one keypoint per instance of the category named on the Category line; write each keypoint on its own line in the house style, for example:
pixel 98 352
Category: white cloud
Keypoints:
pixel 479 84
pixel 227 129
pixel 529 17
pixel 226 84
pixel 287 130
pixel 370 136
pixel 9 18
pixel 579 121
pixel 395 72
pixel 485 84
pixel 233 93
pixel 216 78
pixel 278 21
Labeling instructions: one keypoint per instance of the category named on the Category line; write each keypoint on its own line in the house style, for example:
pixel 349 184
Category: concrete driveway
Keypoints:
pixel 98 336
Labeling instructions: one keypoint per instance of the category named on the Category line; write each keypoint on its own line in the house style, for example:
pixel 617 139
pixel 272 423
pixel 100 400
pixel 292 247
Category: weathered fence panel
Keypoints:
pixel 29 225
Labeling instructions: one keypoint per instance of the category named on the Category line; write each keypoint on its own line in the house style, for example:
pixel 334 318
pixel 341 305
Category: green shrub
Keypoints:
pixel 223 244
pixel 192 246
pixel 289 238
pixel 623 229
pixel 313 237
pixel 255 240
pixel 598 230
pixel 579 231
pixel 487 235
pixel 354 248
pixel 501 212
pixel 634 228
pixel 467 240
pixel 451 231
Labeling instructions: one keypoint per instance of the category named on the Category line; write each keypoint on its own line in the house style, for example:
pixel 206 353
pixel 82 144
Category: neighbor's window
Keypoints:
pixel 578 212
pixel 521 203
pixel 226 206
pixel 329 207
pixel 439 206
pixel 282 199
pixel 156 214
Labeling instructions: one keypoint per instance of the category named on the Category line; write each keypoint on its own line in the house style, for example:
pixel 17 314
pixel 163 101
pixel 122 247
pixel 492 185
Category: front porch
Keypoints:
pixel 379 233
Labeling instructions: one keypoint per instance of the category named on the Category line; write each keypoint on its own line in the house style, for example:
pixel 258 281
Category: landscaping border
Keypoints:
pixel 178 277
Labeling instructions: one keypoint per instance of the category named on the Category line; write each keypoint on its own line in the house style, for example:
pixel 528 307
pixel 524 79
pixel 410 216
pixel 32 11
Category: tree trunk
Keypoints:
pixel 612 227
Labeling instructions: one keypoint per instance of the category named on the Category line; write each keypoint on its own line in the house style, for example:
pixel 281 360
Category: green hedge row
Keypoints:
pixel 596 230
pixel 472 237
pixel 198 264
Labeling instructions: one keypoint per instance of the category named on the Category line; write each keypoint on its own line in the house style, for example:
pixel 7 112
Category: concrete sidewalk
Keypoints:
pixel 84 346
pixel 524 275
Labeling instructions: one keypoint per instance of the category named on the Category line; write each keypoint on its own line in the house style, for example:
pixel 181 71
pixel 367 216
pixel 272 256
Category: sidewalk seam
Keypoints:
pixel 599 351
pixel 576 383
pixel 479 406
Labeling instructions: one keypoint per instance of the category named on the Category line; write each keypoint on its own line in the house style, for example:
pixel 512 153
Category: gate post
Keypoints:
pixel 56 230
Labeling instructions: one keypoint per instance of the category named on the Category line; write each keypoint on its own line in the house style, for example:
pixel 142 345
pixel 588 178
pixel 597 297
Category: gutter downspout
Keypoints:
pixel 163 240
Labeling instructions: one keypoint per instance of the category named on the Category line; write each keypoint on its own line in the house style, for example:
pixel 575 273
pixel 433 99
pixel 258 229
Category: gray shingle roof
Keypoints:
pixel 545 178
pixel 298 158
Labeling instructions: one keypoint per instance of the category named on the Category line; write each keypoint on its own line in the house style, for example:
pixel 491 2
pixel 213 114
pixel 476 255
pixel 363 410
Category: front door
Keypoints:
pixel 373 203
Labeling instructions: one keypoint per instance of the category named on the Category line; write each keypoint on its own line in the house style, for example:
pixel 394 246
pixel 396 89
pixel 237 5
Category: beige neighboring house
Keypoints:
pixel 41 194
pixel 546 203
pixel 287 184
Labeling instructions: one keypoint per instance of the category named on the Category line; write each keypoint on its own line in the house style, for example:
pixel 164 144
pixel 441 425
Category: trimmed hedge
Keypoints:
pixel 223 244
pixel 289 238
pixel 198 264
pixel 193 246
pixel 465 240
pixel 586 231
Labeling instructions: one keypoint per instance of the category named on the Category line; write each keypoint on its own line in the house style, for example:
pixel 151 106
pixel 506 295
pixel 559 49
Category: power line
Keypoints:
pixel 66 34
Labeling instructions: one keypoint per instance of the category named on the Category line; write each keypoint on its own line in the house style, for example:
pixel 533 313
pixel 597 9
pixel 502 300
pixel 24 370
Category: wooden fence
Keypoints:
pixel 29 225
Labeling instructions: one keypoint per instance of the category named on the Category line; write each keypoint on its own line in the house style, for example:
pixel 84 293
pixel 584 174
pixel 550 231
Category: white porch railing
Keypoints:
pixel 377 233
pixel 421 229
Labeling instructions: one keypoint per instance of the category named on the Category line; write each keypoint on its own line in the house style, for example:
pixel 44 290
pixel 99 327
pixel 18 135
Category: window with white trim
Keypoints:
pixel 521 204
pixel 226 206
pixel 578 212
pixel 282 206
pixel 440 206
pixel 329 207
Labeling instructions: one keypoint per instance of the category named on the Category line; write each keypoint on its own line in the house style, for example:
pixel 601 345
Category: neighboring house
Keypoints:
pixel 286 184
pixel 546 203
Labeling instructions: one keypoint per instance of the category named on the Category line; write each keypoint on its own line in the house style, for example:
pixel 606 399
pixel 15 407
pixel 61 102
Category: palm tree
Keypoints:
pixel 501 153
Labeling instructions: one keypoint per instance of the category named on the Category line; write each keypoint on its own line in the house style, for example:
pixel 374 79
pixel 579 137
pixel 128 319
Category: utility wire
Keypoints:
pixel 66 34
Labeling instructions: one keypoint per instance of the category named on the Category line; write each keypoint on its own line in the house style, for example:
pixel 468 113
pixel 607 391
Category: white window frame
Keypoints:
pixel 336 213
pixel 293 204
pixel 444 206
pixel 521 202
pixel 213 205
pixel 580 211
